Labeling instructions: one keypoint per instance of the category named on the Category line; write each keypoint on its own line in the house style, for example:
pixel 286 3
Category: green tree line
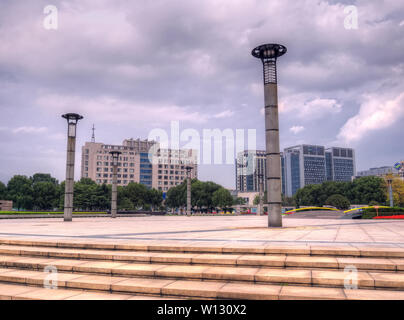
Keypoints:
pixel 364 190
pixel 204 195
pixel 43 192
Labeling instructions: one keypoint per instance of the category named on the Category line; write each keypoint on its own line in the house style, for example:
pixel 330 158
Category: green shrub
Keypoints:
pixel 369 213
pixel 338 201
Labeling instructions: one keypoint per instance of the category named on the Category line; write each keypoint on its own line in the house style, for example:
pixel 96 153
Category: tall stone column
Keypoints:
pixel 268 53
pixel 72 119
pixel 69 182
pixel 261 194
pixel 188 190
pixel 390 184
pixel 114 194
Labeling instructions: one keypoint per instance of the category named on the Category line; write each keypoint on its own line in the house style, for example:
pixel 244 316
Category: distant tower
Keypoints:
pixel 93 135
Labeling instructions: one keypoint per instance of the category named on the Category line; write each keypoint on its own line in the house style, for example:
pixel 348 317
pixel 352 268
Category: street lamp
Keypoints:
pixel 72 119
pixel 390 184
pixel 260 177
pixel 188 168
pixel 114 200
pixel 268 53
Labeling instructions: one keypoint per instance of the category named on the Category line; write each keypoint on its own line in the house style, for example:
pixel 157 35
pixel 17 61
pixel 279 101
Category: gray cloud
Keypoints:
pixel 130 66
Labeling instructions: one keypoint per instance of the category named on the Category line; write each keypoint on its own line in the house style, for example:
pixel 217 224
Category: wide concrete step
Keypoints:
pixel 214 259
pixel 310 250
pixel 20 291
pixel 110 287
pixel 264 275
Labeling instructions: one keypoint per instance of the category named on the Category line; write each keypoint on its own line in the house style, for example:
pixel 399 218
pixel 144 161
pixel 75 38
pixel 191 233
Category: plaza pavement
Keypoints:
pixel 214 257
pixel 249 231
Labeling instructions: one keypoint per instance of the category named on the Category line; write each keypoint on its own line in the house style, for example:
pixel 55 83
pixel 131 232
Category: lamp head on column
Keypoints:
pixel 268 53
pixel 72 119
pixel 188 168
pixel 115 156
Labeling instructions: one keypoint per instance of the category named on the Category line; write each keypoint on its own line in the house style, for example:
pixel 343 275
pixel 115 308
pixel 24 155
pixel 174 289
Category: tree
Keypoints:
pixel 239 201
pixel 398 190
pixel 288 201
pixel 360 191
pixel 45 191
pixel 19 190
pixel 3 191
pixel 338 201
pixel 176 196
pixel 155 198
pixel 43 177
pixel 366 189
pixel 45 195
pixel 222 198
pixel 201 194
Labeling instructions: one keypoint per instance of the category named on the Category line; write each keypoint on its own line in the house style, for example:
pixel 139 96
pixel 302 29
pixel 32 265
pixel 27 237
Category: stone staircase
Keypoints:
pixel 141 271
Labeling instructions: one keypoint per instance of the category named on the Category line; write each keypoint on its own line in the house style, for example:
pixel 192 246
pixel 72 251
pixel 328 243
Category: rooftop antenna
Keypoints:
pixel 93 135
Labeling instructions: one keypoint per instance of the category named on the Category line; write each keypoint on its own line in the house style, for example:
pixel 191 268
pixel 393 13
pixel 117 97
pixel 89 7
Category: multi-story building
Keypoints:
pixel 291 179
pixel 300 166
pixel 312 164
pixel 251 168
pixel 141 161
pixel 304 164
pixel 340 164
pixel 378 172
pixel 169 167
pixel 250 165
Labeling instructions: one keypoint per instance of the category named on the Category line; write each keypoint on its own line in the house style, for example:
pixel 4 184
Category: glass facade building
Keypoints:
pixel 312 164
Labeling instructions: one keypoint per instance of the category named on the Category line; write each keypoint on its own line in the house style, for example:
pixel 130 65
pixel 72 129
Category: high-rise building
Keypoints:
pixel 250 164
pixel 291 182
pixel 304 164
pixel 340 164
pixel 312 164
pixel 300 166
pixel 163 169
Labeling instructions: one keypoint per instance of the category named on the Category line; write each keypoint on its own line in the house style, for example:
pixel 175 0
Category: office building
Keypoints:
pixel 163 169
pixel 300 166
pixel 378 171
pixel 312 164
pixel 250 164
pixel 340 164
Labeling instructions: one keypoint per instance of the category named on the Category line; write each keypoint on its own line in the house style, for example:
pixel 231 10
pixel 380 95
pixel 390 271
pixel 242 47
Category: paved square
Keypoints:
pixel 211 231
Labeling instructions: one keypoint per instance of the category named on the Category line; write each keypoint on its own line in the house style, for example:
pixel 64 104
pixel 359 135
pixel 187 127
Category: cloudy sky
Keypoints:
pixel 133 66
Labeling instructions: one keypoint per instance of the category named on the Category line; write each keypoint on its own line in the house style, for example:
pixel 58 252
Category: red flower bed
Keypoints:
pixel 390 217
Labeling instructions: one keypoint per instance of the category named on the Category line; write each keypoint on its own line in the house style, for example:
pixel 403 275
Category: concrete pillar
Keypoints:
pixel 114 195
pixel 268 53
pixel 273 159
pixel 391 194
pixel 261 195
pixel 189 194
pixel 69 183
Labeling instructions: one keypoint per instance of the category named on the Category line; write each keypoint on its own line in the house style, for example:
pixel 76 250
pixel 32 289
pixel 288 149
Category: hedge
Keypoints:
pixel 369 213
pixel 44 212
